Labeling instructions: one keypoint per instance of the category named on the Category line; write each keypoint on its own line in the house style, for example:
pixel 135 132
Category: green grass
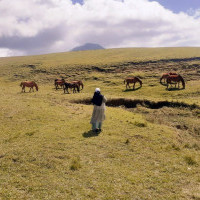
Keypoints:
pixel 47 150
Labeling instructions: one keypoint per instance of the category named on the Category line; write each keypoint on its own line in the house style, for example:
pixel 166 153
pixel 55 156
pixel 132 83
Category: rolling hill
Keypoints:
pixel 88 46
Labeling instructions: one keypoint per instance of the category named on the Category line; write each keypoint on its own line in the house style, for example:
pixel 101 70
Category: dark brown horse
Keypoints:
pixel 133 80
pixel 165 75
pixel 79 83
pixel 71 85
pixel 174 79
pixel 59 82
pixel 29 84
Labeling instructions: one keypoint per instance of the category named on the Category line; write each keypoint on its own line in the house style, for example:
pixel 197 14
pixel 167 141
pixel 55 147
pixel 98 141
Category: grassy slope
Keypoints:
pixel 139 155
pixel 108 56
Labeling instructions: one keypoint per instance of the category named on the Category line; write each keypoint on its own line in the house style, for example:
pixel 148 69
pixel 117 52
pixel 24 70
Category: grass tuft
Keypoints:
pixel 140 124
pixel 189 160
pixel 30 133
pixel 175 147
pixel 75 164
pixel 127 141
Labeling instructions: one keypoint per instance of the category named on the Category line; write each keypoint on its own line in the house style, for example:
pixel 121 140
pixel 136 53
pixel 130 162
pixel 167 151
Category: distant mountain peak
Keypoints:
pixel 87 46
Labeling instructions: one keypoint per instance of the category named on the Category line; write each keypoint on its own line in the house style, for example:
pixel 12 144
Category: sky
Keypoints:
pixel 48 26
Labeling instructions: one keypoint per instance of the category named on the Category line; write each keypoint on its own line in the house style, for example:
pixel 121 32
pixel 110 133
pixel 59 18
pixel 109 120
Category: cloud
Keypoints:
pixel 44 26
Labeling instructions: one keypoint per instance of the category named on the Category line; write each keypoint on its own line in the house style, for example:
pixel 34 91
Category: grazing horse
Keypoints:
pixel 72 85
pixel 59 82
pixel 133 80
pixel 175 79
pixel 165 75
pixel 30 84
pixel 79 83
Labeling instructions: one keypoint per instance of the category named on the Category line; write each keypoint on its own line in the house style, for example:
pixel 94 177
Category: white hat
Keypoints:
pixel 97 90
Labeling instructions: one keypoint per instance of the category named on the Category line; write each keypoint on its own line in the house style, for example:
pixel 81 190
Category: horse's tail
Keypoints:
pixel 124 81
pixel 55 82
pixel 182 80
pixel 64 87
pixel 81 84
pixel 140 82
pixel 36 86
pixel 78 88
pixel 21 84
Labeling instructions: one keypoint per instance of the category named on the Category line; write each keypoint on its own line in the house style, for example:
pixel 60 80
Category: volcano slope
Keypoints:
pixel 150 144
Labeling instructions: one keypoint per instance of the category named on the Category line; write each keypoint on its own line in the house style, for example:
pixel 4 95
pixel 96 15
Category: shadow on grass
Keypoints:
pixel 56 89
pixel 129 90
pixel 174 89
pixel 27 92
pixel 90 134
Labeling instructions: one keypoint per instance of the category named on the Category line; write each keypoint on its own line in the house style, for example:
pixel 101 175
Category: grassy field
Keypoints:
pixel 47 150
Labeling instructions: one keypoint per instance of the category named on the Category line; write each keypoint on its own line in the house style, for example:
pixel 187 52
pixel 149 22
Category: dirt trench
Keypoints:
pixel 129 103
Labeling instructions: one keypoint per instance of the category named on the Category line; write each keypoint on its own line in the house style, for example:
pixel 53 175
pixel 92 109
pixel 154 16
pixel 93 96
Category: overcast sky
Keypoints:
pixel 30 27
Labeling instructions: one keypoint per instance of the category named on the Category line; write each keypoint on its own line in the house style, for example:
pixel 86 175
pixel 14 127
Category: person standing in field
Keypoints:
pixel 98 115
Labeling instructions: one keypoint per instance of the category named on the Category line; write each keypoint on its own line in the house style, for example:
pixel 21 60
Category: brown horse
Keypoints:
pixel 72 85
pixel 79 83
pixel 59 82
pixel 165 75
pixel 174 79
pixel 29 84
pixel 133 80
